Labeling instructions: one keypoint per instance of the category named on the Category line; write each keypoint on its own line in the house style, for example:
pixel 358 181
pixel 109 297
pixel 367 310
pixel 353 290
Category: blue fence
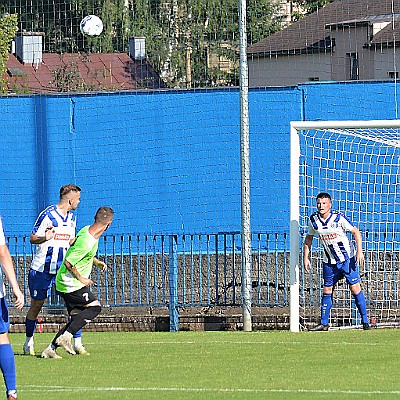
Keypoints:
pixel 204 270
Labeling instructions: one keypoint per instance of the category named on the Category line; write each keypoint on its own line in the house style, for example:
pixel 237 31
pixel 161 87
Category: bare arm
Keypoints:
pixel 8 269
pixel 100 264
pixel 307 251
pixel 49 234
pixel 360 254
pixel 73 270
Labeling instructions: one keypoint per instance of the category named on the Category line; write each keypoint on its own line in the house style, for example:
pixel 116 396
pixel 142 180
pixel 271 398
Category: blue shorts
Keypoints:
pixel 4 321
pixel 40 284
pixel 332 273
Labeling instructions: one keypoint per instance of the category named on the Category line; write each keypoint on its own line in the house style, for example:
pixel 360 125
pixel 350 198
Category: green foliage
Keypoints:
pixel 190 43
pixel 313 5
pixel 67 78
pixel 110 18
pixel 262 21
pixel 8 27
pixel 308 7
pixel 183 37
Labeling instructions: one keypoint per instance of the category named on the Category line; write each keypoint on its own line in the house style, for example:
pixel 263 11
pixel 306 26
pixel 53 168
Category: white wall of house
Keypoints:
pixel 351 60
pixel 289 70
pixel 386 63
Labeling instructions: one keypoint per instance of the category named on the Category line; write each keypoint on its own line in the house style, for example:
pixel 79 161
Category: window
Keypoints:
pixel 15 71
pixel 393 75
pixel 353 66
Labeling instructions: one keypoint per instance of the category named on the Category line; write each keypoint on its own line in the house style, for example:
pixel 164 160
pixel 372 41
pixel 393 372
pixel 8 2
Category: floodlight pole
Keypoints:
pixel 245 169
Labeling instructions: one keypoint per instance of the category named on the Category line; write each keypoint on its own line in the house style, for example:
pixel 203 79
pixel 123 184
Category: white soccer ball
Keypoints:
pixel 91 25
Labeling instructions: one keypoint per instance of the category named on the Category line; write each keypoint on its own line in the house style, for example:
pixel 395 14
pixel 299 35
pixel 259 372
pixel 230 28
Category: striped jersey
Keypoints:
pixel 50 254
pixel 2 243
pixel 332 234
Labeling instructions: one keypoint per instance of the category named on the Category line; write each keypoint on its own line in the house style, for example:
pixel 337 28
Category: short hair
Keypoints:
pixel 70 187
pixel 104 215
pixel 324 195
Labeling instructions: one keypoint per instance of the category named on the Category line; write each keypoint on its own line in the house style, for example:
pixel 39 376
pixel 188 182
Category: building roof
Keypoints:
pixel 388 36
pixel 81 72
pixel 312 33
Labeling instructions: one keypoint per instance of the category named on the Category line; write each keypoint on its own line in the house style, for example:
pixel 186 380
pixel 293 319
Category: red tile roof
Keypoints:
pixel 81 72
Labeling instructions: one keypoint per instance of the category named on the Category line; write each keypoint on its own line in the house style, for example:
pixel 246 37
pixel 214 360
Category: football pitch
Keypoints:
pixel 216 365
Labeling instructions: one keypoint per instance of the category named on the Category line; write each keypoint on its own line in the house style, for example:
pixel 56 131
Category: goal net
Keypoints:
pixel 357 162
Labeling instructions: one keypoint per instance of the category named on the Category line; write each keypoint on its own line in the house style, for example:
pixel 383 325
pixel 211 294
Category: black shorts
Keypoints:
pixel 78 299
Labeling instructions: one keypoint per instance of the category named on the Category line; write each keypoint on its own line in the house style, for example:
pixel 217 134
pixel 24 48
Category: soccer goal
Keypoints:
pixel 358 163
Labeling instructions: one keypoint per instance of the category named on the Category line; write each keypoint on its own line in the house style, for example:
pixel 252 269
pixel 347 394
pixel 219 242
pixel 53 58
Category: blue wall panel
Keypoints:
pixel 168 162
pixel 352 101
pixel 270 116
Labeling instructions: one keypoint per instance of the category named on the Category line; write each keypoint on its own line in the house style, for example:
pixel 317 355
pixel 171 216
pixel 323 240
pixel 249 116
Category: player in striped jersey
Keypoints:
pixel 53 233
pixel 7 361
pixel 341 259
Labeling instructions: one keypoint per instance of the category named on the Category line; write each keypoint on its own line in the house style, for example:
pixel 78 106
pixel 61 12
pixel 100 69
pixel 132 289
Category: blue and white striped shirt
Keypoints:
pixel 332 234
pixel 50 254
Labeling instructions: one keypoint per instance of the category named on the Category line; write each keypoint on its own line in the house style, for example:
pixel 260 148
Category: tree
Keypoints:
pixel 190 43
pixel 308 7
pixel 8 27
pixel 191 40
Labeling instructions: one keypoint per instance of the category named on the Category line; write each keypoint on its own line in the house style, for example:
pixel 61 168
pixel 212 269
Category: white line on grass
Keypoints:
pixel 235 342
pixel 46 389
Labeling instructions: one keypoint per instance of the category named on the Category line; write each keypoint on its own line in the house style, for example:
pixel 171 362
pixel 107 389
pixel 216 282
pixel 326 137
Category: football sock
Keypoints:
pixel 28 341
pixel 7 366
pixel 30 327
pixel 79 320
pixel 361 306
pixel 78 335
pixel 78 341
pixel 12 393
pixel 326 306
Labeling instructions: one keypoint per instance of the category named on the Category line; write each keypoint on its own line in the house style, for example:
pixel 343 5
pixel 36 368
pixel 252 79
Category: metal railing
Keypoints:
pixel 205 270
pixel 200 269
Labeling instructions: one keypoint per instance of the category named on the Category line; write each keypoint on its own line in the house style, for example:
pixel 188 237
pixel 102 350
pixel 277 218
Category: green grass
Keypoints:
pixel 216 365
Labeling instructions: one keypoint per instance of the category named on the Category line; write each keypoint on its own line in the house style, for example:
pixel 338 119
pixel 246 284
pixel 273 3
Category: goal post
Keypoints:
pixel 358 163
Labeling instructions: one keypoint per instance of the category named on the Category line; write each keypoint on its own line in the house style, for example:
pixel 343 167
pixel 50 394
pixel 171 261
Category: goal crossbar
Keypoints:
pixel 348 124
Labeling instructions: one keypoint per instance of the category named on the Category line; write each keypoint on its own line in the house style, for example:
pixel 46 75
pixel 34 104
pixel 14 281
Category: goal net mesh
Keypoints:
pixel 360 169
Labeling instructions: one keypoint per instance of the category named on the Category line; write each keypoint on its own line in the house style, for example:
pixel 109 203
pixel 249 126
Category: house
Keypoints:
pixel 286 10
pixel 30 70
pixel 346 40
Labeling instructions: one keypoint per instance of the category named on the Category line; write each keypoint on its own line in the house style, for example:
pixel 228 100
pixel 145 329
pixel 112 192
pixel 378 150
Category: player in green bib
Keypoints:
pixel 73 282
pixel 81 255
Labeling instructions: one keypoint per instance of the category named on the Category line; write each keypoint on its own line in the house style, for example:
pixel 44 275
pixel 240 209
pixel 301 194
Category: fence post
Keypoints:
pixel 173 284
